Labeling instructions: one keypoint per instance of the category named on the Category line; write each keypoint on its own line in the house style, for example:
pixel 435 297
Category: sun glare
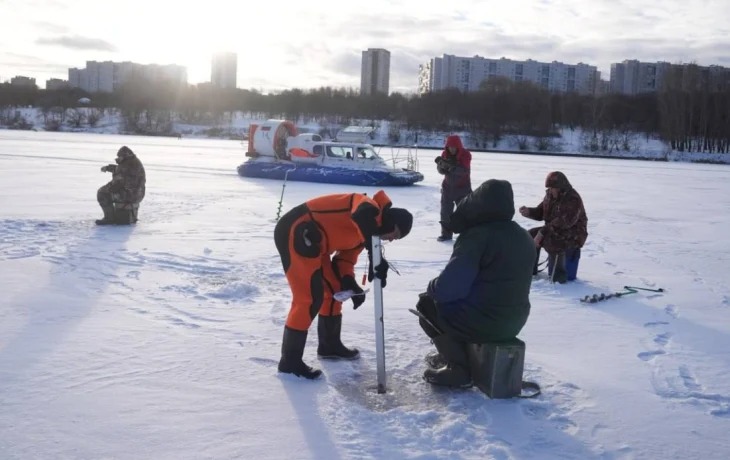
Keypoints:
pixel 190 36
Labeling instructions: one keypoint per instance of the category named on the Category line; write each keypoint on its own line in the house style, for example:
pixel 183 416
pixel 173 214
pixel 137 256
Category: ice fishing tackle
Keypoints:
pixel 628 290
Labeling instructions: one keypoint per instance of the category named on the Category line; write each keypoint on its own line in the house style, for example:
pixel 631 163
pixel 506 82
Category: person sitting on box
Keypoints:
pixel 482 295
pixel 120 198
pixel 565 230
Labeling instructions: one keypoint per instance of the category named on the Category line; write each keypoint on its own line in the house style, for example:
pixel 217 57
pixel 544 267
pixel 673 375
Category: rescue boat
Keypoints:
pixel 277 151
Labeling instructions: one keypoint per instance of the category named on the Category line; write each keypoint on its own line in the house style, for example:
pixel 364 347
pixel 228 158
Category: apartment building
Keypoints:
pixel 633 77
pixel 467 74
pixel 23 81
pixel 56 83
pixel 224 70
pixel 107 76
pixel 375 71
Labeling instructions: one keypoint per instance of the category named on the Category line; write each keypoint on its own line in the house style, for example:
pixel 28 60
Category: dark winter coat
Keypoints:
pixel 128 179
pixel 566 222
pixel 483 292
pixel 455 168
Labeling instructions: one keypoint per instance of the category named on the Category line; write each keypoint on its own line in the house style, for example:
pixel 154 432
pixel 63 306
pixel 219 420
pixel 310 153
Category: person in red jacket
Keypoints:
pixel 454 164
pixel 306 236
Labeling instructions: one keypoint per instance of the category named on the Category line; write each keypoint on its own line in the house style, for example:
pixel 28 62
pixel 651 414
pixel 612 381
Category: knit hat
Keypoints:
pixel 557 179
pixel 397 216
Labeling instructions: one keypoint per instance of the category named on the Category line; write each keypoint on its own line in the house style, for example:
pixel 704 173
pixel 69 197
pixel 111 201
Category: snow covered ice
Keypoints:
pixel 161 340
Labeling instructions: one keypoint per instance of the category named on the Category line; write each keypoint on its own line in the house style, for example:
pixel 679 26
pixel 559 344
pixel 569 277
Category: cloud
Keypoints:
pixel 26 64
pixel 598 33
pixel 51 27
pixel 346 63
pixel 320 42
pixel 405 59
pixel 77 42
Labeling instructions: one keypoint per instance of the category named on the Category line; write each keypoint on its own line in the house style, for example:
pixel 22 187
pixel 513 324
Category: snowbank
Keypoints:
pixel 236 126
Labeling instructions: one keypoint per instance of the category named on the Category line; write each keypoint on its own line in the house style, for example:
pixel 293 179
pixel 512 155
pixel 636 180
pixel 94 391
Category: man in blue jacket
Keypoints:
pixel 482 295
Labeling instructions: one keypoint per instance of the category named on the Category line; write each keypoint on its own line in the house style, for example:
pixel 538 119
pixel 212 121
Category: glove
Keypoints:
pixel 380 272
pixel 348 283
pixel 444 166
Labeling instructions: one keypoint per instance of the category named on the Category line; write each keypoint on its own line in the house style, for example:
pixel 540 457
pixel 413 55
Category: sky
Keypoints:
pixel 319 42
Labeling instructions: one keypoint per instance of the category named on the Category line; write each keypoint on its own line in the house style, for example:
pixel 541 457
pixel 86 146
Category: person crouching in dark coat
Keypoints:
pixel 120 198
pixel 482 295
pixel 565 230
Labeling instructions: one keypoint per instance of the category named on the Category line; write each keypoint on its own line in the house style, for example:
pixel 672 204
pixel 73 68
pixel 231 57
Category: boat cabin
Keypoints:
pixel 280 139
pixel 343 153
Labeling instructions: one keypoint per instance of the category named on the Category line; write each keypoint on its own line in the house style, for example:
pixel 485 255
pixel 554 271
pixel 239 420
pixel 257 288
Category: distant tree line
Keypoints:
pixel 690 112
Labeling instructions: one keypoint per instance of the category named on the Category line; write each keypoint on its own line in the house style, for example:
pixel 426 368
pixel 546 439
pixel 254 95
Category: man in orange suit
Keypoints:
pixel 306 237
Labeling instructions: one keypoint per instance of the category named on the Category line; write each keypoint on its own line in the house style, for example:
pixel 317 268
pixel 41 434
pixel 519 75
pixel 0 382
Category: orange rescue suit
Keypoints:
pixel 306 237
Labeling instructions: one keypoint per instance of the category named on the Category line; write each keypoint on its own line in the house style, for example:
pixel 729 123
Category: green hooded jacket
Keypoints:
pixel 483 292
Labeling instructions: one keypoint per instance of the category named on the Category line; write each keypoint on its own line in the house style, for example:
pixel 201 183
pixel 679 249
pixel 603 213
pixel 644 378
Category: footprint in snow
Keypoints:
pixel 648 283
pixel 649 355
pixel 689 380
pixel 663 339
pixel 655 323
pixel 671 310
pixel 266 362
pixel 722 413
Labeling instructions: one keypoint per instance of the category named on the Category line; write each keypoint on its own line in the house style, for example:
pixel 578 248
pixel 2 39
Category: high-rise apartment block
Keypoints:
pixel 108 76
pixel 23 81
pixel 375 71
pixel 468 73
pixel 56 84
pixel 224 70
pixel 634 77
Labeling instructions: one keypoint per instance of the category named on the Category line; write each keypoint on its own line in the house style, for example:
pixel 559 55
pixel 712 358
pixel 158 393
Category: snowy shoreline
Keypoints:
pixel 701 158
pixel 568 142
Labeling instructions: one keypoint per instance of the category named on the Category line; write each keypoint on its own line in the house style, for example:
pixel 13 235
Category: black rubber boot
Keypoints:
pixel 108 218
pixel 446 235
pixel 329 329
pixel 292 350
pixel 456 373
pixel 560 274
pixel 537 262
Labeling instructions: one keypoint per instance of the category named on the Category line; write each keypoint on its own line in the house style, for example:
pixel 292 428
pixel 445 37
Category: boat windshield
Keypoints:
pixel 366 153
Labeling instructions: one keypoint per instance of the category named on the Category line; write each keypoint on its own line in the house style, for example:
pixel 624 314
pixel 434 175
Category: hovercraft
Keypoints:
pixel 277 151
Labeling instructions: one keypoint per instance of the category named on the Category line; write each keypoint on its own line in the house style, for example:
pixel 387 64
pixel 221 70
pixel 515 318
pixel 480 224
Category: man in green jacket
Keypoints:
pixel 482 295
